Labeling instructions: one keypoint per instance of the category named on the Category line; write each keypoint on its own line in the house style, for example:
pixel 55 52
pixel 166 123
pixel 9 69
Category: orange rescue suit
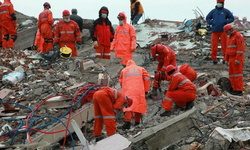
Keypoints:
pixel 235 52
pixel 187 71
pixel 166 57
pixel 8 21
pixel 215 41
pixel 67 33
pixel 106 102
pixel 45 22
pixel 180 91
pixel 124 41
pixel 135 81
pixel 39 42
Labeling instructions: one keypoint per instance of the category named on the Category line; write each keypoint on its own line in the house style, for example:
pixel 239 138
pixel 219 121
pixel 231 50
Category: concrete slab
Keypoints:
pixel 164 134
pixel 114 142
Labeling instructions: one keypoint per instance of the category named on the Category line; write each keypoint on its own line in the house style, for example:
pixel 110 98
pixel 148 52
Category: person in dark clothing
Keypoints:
pixel 77 19
pixel 218 18
pixel 136 11
pixel 102 34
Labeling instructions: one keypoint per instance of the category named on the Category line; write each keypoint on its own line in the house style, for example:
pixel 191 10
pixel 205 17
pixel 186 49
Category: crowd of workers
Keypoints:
pixel 132 100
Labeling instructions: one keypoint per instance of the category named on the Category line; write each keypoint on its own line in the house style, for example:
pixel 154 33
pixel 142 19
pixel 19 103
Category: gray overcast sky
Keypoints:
pixel 176 10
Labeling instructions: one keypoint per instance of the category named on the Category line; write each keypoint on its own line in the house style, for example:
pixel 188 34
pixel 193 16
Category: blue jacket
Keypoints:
pixel 218 18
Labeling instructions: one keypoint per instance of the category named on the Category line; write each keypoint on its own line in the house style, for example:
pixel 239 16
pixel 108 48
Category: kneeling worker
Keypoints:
pixel 181 91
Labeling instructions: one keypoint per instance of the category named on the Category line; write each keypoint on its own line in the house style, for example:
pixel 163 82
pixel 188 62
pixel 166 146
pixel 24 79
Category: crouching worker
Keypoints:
pixel 107 102
pixel 165 56
pixel 181 91
pixel 187 71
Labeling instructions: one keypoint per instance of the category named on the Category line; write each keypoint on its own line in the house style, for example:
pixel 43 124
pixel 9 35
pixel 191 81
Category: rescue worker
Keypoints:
pixel 219 17
pixel 38 42
pixel 67 33
pixel 45 22
pixel 165 56
pixel 184 69
pixel 76 18
pixel 9 24
pixel 181 91
pixel 107 102
pixel 235 57
pixel 135 83
pixel 124 41
pixel 136 11
pixel 102 34
pixel 187 71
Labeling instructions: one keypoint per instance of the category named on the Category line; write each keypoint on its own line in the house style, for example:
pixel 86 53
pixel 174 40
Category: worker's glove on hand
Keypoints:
pixel 133 49
pixel 33 47
pixel 17 25
pixel 237 62
pixel 78 42
pixel 95 44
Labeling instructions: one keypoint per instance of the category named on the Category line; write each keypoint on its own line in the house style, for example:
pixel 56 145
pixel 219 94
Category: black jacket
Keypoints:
pixel 78 20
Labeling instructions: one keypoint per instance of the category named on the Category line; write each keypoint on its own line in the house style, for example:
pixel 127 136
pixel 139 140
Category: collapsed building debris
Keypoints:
pixel 193 129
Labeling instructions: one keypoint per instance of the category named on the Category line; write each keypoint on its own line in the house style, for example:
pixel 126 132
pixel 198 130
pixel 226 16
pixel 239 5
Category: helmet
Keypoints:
pixel 170 68
pixel 46 4
pixel 65 52
pixel 66 13
pixel 157 49
pixel 227 27
pixel 121 16
pixel 1 3
pixel 220 1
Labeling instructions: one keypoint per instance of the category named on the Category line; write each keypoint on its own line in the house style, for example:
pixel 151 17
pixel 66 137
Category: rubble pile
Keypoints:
pixel 214 106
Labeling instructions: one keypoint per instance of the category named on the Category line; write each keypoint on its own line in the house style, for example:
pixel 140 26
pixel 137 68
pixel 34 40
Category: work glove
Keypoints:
pixel 78 42
pixel 17 25
pixel 133 49
pixel 237 62
pixel 34 47
pixel 95 44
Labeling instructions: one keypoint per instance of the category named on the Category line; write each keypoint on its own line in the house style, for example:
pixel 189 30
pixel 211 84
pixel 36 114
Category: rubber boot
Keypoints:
pixel 137 123
pixel 126 125
pixel 189 105
pixel 154 91
pixel 98 138
pixel 166 113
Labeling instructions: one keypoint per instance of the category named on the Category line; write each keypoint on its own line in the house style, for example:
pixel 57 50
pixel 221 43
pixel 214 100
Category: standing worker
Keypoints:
pixel 76 18
pixel 45 22
pixel 107 102
pixel 67 33
pixel 219 17
pixel 124 41
pixel 136 11
pixel 235 56
pixel 181 91
pixel 135 83
pixel 165 56
pixel 102 33
pixel 9 24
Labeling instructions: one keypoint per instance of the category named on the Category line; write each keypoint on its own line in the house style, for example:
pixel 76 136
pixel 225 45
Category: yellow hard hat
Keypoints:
pixel 65 52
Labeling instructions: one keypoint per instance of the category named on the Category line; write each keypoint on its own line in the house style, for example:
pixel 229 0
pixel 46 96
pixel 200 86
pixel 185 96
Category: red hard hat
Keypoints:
pixel 170 68
pixel 46 4
pixel 66 13
pixel 227 27
pixel 121 16
pixel 157 49
pixel 220 1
